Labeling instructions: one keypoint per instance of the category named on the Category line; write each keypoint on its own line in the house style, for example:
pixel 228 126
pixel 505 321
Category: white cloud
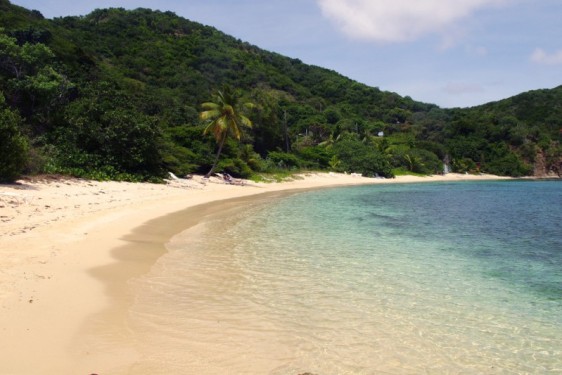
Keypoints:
pixel 399 20
pixel 540 56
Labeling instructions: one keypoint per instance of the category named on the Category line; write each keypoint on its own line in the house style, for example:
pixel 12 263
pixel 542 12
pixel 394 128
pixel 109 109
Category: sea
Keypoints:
pixel 431 278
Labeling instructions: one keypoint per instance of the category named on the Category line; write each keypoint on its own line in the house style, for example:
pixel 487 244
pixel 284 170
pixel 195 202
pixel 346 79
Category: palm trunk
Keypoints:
pixel 216 157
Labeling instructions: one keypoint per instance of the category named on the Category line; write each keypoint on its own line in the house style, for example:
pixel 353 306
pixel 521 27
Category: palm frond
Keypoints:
pixel 210 114
pixel 224 116
pixel 245 121
pixel 249 105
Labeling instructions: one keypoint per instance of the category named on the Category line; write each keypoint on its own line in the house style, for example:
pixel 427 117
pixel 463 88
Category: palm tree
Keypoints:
pixel 225 117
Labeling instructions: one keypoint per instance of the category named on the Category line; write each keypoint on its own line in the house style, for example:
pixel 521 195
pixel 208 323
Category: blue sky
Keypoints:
pixel 453 53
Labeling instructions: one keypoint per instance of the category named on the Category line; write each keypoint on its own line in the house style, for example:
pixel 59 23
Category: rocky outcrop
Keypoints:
pixel 539 168
pixel 545 168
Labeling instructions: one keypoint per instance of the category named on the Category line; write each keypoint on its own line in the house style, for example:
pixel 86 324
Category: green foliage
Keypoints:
pixel 508 165
pixel 283 160
pixel 13 145
pixel 92 105
pixel 225 118
pixel 235 167
pixel 334 163
pixel 111 138
pixel 32 83
pixel 356 157
pixel 404 172
pixel 417 160
pixel 315 157
pixel 269 120
pixel 465 165
pixel 179 160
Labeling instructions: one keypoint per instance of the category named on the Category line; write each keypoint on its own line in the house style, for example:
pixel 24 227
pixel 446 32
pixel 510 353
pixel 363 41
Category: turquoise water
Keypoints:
pixel 458 278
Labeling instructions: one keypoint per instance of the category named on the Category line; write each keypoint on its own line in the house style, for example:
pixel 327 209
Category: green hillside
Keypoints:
pixel 117 94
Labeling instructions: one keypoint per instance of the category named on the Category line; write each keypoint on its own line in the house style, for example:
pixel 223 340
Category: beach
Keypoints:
pixel 70 247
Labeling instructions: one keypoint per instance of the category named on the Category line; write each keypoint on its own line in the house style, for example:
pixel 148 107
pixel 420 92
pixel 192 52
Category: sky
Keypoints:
pixel 453 53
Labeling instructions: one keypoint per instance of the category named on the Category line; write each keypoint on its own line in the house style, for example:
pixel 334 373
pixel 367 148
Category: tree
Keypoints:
pixel 225 118
pixel 352 155
pixel 104 129
pixel 13 145
pixel 32 84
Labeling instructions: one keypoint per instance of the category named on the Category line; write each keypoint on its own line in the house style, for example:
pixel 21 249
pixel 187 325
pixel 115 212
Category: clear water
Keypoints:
pixel 460 278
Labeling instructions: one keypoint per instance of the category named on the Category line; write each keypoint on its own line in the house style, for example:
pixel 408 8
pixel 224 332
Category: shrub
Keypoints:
pixel 13 145
pixel 464 165
pixel 316 157
pixel 355 156
pixel 235 167
pixel 423 161
pixel 509 165
pixel 284 160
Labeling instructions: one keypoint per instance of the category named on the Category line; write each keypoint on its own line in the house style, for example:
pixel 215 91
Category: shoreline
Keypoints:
pixel 69 248
pixel 145 246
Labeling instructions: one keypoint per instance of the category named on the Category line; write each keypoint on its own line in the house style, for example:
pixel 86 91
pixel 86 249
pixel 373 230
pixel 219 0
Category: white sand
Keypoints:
pixel 59 266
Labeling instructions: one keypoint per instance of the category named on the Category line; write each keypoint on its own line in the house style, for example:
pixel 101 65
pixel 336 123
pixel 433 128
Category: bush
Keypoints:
pixel 464 165
pixel 509 165
pixel 423 161
pixel 357 157
pixel 99 136
pixel 315 157
pixel 235 167
pixel 284 160
pixel 13 145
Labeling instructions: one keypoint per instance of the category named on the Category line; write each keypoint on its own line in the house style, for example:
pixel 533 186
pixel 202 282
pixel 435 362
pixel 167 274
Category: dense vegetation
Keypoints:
pixel 117 94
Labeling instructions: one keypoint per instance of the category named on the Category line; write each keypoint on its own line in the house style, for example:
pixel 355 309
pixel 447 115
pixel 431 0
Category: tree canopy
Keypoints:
pixel 117 94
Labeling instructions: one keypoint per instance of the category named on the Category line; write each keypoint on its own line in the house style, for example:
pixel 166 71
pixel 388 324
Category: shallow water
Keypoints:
pixel 461 278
